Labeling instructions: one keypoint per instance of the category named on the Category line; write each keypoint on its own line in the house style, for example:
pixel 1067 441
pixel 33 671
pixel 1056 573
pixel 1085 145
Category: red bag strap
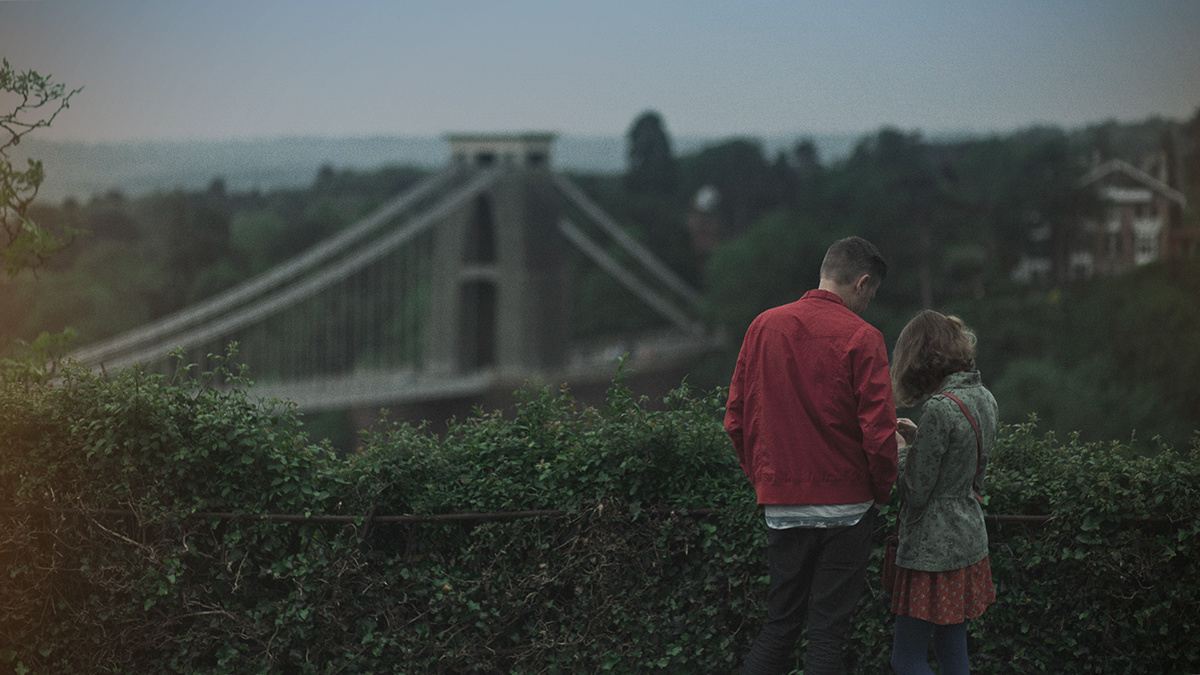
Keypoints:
pixel 978 442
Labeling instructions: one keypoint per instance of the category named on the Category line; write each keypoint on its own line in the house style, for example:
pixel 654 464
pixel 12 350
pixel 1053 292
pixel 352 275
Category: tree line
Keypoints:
pixel 1108 358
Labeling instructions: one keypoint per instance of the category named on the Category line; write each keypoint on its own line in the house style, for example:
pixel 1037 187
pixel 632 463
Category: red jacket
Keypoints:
pixel 810 408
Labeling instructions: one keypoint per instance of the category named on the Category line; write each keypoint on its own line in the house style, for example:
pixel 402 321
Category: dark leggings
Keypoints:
pixel 910 647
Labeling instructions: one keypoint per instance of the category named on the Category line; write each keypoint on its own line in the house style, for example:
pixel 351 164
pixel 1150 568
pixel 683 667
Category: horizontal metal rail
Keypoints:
pixel 484 516
pixel 327 518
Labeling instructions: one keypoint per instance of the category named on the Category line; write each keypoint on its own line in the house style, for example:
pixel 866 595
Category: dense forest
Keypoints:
pixel 1107 358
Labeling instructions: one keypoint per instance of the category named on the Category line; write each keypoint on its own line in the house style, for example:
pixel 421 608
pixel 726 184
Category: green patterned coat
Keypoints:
pixel 941 522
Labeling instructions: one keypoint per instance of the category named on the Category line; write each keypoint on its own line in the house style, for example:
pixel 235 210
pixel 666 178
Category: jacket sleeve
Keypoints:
pixel 876 410
pixel 924 461
pixel 734 411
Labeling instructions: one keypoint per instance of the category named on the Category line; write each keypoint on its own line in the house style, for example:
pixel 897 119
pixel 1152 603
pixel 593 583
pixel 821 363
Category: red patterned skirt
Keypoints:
pixel 944 597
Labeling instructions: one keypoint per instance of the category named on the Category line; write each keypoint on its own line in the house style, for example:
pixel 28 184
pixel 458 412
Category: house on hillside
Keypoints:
pixel 1139 222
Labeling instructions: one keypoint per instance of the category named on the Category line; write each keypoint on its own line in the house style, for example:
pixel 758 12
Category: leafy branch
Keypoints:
pixel 37 102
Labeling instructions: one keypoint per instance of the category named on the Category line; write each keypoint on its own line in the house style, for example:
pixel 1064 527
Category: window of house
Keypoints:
pixel 1146 249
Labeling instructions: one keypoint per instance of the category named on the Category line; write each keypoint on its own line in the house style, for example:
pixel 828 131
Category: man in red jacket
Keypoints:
pixel 812 418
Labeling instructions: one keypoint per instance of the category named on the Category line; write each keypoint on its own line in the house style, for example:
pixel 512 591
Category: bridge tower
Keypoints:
pixel 498 264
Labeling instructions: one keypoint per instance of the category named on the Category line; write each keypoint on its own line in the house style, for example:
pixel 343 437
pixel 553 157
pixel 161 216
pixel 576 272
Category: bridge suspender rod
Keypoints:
pixel 644 256
pixel 316 282
pixel 269 279
pixel 418 269
pixel 656 302
pixel 368 312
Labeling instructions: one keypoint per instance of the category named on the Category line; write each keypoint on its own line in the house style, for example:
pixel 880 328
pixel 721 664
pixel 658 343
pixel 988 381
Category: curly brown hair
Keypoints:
pixel 929 348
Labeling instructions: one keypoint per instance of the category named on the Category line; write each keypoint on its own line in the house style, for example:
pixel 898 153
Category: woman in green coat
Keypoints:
pixel 943 575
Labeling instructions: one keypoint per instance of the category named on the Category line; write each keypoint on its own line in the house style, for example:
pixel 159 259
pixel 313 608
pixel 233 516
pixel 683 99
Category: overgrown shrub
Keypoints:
pixel 634 574
pixel 1112 583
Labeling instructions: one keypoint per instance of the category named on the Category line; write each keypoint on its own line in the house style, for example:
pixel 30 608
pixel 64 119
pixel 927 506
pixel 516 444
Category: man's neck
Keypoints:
pixel 843 291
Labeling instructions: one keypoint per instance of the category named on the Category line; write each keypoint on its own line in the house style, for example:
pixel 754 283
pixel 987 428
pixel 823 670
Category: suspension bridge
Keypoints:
pixel 456 288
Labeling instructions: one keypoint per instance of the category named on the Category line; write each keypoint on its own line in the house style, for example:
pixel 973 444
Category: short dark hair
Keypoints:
pixel 850 258
pixel 929 348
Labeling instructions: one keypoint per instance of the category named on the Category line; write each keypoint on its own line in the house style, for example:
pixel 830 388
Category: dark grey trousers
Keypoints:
pixel 817 578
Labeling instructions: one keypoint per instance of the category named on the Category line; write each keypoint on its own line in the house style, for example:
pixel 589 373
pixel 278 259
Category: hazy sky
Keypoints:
pixel 156 69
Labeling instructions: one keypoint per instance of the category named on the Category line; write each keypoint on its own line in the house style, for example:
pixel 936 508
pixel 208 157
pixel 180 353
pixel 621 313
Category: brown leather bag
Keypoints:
pixel 889 560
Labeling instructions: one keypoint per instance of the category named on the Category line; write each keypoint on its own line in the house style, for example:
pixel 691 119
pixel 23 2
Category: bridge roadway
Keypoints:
pixel 653 355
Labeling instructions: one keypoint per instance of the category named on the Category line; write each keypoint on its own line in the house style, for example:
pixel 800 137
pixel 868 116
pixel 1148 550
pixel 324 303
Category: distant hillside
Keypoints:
pixel 82 170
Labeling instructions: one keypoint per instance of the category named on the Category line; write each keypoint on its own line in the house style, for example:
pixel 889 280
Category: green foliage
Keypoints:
pixel 1110 583
pixel 655 222
pixel 253 235
pixel 1113 359
pixel 748 185
pixel 630 580
pixel 36 100
pixel 774 263
pixel 106 286
pixel 37 362
pixel 90 593
pixel 607 587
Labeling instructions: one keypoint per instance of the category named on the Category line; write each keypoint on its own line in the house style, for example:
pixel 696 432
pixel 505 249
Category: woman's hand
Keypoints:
pixel 907 430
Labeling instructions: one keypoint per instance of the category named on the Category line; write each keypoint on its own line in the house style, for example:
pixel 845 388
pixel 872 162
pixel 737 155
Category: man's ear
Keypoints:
pixel 863 284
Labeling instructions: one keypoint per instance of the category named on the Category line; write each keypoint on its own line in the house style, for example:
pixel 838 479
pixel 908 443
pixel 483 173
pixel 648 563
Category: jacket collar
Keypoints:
pixel 818 294
pixel 960 381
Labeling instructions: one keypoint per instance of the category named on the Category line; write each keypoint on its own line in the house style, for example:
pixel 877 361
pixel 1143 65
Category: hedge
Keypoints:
pixel 652 562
